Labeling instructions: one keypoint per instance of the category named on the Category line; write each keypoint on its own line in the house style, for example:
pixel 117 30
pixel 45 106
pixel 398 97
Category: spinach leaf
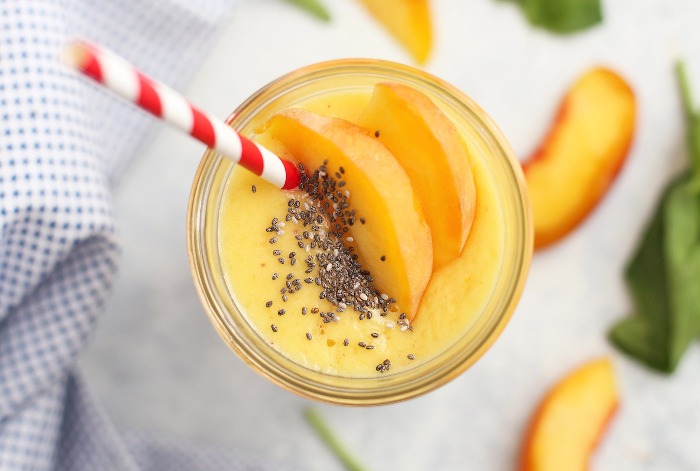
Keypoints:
pixel 664 274
pixel 314 7
pixel 562 16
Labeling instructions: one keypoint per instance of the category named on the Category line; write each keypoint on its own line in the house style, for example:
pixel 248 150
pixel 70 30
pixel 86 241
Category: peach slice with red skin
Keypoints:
pixel 581 155
pixel 394 240
pixel 571 419
pixel 408 21
pixel 436 159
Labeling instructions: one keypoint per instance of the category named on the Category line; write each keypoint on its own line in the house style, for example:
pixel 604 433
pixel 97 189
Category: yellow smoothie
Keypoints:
pixel 260 286
pixel 270 280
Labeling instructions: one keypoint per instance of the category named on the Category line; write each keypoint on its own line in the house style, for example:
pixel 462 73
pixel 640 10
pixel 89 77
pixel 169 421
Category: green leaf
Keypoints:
pixel 682 250
pixel 562 16
pixel 663 276
pixel 324 432
pixel 645 334
pixel 314 7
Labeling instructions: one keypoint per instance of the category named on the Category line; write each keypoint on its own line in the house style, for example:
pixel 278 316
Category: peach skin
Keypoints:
pixel 571 420
pixel 581 155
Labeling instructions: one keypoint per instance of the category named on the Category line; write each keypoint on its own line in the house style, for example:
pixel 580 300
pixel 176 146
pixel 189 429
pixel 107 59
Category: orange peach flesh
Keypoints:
pixel 571 419
pixel 408 21
pixel 400 261
pixel 433 154
pixel 581 155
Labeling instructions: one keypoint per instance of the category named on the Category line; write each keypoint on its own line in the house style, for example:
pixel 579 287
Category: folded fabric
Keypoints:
pixel 63 144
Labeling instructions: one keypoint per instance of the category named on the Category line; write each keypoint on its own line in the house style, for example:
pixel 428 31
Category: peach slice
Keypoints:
pixel 393 237
pixel 408 21
pixel 571 419
pixel 581 155
pixel 435 158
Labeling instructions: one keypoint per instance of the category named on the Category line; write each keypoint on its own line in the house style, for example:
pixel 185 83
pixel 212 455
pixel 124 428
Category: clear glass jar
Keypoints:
pixel 482 136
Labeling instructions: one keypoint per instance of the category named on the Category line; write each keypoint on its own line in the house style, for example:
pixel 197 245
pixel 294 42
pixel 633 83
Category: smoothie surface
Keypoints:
pixel 255 269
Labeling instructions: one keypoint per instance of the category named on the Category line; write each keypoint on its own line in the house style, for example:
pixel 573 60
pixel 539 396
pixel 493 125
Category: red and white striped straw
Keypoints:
pixel 118 75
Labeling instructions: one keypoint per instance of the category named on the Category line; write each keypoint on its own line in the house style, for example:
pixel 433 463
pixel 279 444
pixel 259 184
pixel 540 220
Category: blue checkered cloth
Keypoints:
pixel 63 144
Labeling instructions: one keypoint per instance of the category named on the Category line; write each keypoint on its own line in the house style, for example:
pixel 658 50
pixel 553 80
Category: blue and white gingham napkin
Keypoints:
pixel 63 143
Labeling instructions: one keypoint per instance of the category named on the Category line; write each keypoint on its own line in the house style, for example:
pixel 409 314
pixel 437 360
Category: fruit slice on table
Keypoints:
pixel 408 21
pixel 394 241
pixel 571 419
pixel 435 157
pixel 581 155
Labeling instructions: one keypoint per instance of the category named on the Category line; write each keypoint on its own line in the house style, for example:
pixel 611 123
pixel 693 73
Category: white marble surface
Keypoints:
pixel 158 365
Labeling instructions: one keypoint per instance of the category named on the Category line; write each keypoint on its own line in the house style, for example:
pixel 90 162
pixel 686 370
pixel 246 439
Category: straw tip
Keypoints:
pixel 291 175
pixel 76 54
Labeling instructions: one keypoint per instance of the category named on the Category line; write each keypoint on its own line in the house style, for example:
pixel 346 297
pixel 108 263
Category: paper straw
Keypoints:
pixel 118 75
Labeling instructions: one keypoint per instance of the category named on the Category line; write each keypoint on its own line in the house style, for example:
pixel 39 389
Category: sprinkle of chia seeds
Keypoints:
pixel 331 263
pixel 254 189
pixel 268 304
pixel 308 335
pixel 411 356
pixel 281 312
pixel 273 326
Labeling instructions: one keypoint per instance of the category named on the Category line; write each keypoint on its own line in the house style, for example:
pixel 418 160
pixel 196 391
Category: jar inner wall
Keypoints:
pixel 229 308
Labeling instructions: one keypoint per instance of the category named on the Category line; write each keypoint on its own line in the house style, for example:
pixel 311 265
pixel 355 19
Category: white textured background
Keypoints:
pixel 159 366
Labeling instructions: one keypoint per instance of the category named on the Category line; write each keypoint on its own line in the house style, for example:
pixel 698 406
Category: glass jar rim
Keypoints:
pixel 310 383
